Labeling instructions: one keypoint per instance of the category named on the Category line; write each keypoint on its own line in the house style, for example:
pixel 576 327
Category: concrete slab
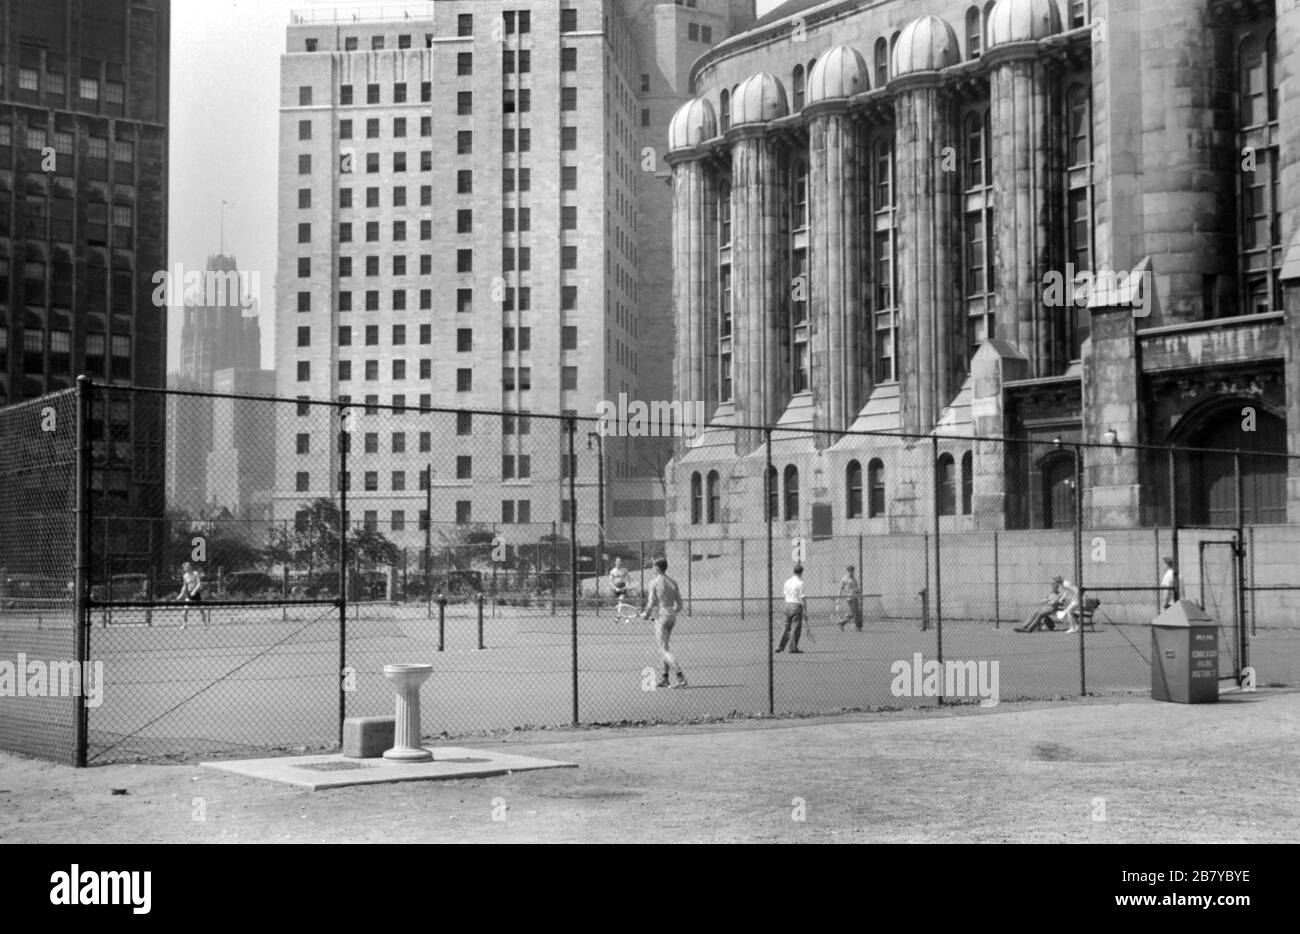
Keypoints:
pixel 335 771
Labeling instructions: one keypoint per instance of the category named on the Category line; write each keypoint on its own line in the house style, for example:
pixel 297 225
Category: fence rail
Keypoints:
pixel 325 539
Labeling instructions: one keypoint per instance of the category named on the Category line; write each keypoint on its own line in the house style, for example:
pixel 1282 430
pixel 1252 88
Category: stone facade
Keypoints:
pixel 1050 223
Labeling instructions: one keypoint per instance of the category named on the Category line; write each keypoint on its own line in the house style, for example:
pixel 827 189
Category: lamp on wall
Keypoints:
pixel 1111 437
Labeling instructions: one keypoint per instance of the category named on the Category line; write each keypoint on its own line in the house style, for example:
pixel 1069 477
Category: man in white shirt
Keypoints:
pixel 795 608
pixel 1169 585
pixel 618 580
pixel 851 595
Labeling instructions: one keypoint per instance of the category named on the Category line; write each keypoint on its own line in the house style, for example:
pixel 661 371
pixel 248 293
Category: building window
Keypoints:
pixel 568 59
pixel 882 62
pixel 1260 252
pixel 853 490
pixel 967 482
pixel 697 498
pixel 875 488
pixel 714 492
pixel 725 339
pixel 724 214
pixel 945 479
pixel 974 32
pixel 797 87
pixel 724 119
pixel 773 495
pixel 791 493
pixel 799 194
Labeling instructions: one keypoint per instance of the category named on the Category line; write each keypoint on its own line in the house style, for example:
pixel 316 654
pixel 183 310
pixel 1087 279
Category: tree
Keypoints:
pixel 314 540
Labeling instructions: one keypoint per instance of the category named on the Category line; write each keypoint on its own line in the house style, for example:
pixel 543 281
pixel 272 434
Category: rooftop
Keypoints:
pixel 362 13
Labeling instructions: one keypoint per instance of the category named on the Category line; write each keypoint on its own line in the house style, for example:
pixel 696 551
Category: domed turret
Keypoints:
pixel 758 99
pixel 693 123
pixel 1023 21
pixel 840 72
pixel 925 44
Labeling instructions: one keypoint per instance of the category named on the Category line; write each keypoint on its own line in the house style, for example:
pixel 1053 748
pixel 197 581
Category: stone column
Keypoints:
pixel 695 297
pixel 406 679
pixel 1111 383
pixel 927 294
pixel 835 267
pixel 1288 64
pixel 760 282
pixel 1026 195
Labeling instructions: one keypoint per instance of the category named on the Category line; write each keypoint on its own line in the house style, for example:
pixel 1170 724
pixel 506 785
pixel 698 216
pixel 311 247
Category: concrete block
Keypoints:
pixel 367 737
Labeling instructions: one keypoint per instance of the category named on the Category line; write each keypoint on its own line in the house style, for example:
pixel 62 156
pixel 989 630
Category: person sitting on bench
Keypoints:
pixel 1050 611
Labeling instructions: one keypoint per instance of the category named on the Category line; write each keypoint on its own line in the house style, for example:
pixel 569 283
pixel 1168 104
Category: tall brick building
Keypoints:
pixel 872 203
pixel 475 213
pixel 84 89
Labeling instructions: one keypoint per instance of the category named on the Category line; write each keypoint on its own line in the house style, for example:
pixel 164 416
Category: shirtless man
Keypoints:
pixel 667 598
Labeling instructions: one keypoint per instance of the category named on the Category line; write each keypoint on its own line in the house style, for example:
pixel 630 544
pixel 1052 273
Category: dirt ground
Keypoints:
pixel 1032 772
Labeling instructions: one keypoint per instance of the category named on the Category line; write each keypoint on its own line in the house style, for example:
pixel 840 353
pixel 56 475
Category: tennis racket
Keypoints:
pixel 625 611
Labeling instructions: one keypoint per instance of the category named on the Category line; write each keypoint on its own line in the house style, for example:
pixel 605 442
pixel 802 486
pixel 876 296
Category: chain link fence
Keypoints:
pixel 250 565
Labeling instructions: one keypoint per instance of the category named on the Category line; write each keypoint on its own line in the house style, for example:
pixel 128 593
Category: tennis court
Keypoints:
pixel 267 677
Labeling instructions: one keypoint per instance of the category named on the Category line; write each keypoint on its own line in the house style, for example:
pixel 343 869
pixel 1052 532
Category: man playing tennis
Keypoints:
pixel 191 592
pixel 851 594
pixel 618 580
pixel 667 598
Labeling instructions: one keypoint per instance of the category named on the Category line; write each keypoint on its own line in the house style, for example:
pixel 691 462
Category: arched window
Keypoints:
pixel 967 482
pixel 974 33
pixel 696 499
pixel 1258 102
pixel 1058 491
pixel 724 121
pixel 945 478
pixel 797 87
pixel 791 492
pixel 1078 106
pixel 714 493
pixel 882 62
pixel 988 15
pixel 875 488
pixel 773 494
pixel 853 490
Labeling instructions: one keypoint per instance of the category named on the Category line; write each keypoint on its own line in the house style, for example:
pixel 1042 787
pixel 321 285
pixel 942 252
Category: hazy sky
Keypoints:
pixel 224 134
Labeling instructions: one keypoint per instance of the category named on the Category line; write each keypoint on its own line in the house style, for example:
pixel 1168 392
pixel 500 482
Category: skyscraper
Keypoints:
pixel 83 220
pixel 475 213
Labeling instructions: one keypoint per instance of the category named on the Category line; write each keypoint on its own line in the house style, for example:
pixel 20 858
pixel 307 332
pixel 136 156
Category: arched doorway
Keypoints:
pixel 1211 495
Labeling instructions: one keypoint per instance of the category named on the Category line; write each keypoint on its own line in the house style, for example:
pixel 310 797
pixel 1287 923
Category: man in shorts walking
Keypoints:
pixel 665 596
pixel 851 594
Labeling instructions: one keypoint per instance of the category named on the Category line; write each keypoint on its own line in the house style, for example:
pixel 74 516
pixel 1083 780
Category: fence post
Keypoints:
pixel 767 512
pixel 925 594
pixel 573 557
pixel 480 622
pixel 997 588
pixel 641 565
pixel 742 577
pixel 343 566
pixel 81 585
pixel 938 579
pixel 1251 552
pixel 689 562
pixel 442 621
pixel 1078 564
pixel 1239 555
pixel 1173 521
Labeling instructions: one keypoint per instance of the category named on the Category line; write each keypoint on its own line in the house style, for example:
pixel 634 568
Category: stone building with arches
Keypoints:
pixel 1047 221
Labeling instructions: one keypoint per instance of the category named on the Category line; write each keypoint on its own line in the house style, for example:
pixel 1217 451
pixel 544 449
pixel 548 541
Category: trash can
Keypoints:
pixel 1184 655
